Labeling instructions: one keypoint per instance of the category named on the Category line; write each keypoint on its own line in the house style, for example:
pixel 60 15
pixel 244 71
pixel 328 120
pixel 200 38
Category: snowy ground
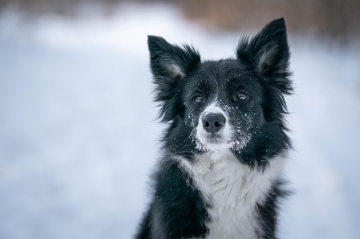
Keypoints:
pixel 78 135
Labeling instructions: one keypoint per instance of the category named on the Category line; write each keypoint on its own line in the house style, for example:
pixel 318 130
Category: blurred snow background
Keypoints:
pixel 78 129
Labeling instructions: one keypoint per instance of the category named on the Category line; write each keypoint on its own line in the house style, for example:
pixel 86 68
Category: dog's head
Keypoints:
pixel 228 103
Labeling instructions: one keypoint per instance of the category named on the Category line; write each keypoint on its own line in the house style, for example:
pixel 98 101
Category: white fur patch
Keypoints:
pixel 232 190
pixel 202 136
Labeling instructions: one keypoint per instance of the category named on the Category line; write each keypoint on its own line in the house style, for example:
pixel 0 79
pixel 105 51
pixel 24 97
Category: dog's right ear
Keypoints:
pixel 171 61
pixel 169 65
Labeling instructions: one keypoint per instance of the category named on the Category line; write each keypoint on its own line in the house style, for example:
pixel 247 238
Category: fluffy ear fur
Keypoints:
pixel 169 65
pixel 268 51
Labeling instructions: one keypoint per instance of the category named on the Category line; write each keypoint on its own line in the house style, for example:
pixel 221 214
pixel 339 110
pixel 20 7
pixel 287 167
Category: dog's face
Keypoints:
pixel 222 103
pixel 226 103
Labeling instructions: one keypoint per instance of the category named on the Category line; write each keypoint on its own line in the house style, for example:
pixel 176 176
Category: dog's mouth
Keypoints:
pixel 214 142
pixel 216 139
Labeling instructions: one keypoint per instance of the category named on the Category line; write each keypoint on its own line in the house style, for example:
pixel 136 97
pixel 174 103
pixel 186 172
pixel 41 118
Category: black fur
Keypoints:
pixel 268 212
pixel 261 70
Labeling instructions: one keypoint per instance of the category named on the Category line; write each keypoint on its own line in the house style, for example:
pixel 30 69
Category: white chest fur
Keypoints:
pixel 232 190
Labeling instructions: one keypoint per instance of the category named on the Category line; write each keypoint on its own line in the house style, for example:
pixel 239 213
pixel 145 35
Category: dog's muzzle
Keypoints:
pixel 213 123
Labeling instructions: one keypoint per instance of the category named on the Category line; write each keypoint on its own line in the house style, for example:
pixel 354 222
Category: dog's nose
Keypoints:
pixel 212 123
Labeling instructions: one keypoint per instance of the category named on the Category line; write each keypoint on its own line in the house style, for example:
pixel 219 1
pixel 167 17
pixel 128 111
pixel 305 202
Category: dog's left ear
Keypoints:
pixel 268 51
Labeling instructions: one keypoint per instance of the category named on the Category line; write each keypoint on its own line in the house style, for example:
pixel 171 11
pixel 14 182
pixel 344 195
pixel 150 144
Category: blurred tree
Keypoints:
pixel 337 19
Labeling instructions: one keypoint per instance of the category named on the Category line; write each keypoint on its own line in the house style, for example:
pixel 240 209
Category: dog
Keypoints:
pixel 220 175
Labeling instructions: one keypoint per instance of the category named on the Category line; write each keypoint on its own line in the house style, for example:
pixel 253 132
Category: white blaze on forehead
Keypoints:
pixel 213 108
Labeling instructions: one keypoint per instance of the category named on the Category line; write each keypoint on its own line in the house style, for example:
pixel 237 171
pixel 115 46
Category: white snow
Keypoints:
pixel 78 135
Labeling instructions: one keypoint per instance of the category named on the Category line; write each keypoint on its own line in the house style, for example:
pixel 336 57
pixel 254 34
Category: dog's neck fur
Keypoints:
pixel 232 190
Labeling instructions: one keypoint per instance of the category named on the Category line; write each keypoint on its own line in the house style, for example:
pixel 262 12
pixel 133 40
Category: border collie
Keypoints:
pixel 225 145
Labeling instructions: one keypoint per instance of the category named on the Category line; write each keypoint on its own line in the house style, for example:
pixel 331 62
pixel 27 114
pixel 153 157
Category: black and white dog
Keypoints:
pixel 225 145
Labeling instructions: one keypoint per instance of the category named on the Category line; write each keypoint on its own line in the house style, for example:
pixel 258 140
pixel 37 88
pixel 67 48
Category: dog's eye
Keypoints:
pixel 199 99
pixel 241 96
